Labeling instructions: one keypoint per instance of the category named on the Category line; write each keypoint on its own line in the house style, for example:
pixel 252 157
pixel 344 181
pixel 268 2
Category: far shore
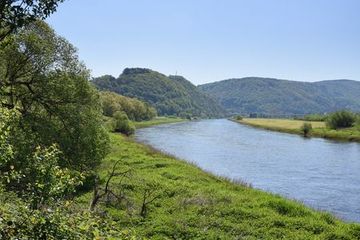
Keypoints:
pixel 293 127
pixel 158 121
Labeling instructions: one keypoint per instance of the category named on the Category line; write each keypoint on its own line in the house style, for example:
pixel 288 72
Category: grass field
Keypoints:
pixel 157 121
pixel 293 126
pixel 188 203
pixel 281 123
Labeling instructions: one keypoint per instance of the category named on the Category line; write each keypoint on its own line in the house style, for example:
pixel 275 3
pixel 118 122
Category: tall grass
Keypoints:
pixel 193 204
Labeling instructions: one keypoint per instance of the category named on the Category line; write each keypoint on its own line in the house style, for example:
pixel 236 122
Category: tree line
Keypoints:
pixel 334 121
pixel 170 95
pixel 135 109
pixel 120 111
pixel 52 134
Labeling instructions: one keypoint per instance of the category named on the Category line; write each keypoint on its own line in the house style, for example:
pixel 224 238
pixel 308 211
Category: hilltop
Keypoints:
pixel 274 96
pixel 170 95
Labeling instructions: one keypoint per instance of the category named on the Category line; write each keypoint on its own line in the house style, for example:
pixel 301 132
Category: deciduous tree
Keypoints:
pixel 17 13
pixel 43 80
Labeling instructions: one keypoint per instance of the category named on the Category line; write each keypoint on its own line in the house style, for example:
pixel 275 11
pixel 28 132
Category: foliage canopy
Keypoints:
pixel 281 97
pixel 42 79
pixel 341 119
pixel 170 95
pixel 135 109
pixel 17 13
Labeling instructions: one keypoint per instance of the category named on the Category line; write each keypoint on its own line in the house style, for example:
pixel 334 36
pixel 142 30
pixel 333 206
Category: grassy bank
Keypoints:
pixel 293 126
pixel 158 121
pixel 185 202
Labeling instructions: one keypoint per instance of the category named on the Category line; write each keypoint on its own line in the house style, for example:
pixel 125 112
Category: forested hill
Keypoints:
pixel 274 96
pixel 170 95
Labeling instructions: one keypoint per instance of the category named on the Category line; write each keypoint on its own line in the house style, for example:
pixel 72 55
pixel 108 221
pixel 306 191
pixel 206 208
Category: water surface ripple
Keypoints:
pixel 321 173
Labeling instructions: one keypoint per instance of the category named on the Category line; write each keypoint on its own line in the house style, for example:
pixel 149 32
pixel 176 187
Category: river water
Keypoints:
pixel 320 173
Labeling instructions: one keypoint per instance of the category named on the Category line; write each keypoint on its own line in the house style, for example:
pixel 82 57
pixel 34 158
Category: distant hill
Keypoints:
pixel 170 95
pixel 274 96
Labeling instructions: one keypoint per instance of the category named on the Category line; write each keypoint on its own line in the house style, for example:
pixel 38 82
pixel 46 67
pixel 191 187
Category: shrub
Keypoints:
pixel 60 221
pixel 135 109
pixel 39 182
pixel 123 124
pixel 238 117
pixel 341 119
pixel 357 122
pixel 306 128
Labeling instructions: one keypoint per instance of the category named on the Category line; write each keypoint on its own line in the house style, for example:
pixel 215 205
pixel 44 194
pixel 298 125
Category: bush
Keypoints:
pixel 60 221
pixel 43 181
pixel 306 128
pixel 238 117
pixel 135 109
pixel 341 119
pixel 357 123
pixel 123 124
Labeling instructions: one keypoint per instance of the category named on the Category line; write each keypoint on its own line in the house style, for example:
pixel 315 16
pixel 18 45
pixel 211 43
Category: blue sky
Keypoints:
pixel 211 40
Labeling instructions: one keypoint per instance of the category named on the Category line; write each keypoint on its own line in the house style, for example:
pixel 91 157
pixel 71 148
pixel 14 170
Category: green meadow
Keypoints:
pixel 184 202
pixel 70 167
pixel 158 121
pixel 319 128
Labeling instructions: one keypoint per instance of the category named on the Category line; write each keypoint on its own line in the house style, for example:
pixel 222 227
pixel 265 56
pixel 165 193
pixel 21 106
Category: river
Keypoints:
pixel 320 173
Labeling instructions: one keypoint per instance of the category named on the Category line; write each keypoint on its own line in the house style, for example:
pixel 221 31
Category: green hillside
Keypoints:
pixel 170 95
pixel 274 96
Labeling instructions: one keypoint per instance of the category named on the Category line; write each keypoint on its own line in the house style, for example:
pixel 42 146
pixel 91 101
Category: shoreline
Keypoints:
pixel 262 214
pixel 158 121
pixel 194 203
pixel 338 135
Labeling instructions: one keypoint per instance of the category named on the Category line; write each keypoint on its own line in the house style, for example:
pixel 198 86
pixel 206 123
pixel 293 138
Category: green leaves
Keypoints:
pixel 51 135
pixel 44 81
pixel 306 128
pixel 341 119
pixel 170 95
pixel 49 182
pixel 6 150
pixel 15 14
pixel 123 124
pixel 42 182
pixel 60 221
pixel 281 98
pixel 135 109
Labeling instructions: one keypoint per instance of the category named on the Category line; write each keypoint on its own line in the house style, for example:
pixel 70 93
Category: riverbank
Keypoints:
pixel 293 126
pixel 158 121
pixel 184 202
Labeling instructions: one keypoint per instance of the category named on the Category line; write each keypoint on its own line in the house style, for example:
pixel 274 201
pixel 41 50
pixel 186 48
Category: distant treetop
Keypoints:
pixel 136 71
